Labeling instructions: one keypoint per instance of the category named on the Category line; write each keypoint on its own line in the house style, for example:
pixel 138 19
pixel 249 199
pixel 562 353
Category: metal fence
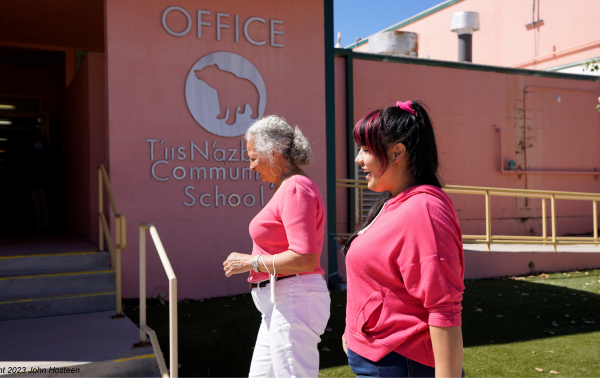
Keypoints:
pixel 488 192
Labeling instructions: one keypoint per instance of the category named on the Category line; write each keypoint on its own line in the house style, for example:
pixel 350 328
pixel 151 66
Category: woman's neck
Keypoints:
pixel 404 182
pixel 290 171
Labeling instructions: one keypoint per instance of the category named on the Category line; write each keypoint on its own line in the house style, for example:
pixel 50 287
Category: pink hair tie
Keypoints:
pixel 407 106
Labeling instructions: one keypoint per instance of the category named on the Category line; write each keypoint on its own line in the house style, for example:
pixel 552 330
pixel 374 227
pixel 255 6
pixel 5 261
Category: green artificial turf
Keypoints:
pixel 508 329
pixel 550 322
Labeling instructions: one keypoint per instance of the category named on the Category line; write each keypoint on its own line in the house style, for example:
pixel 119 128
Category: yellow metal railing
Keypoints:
pixel 144 329
pixel 488 192
pixel 120 232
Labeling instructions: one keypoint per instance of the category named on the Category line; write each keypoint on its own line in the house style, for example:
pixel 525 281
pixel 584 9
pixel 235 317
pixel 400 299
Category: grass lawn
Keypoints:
pixel 511 326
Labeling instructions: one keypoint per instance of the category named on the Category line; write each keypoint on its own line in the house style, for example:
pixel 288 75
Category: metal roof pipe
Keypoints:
pixel 465 47
pixel 464 24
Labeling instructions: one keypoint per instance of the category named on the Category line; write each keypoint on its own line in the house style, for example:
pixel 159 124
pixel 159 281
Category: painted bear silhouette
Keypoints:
pixel 233 93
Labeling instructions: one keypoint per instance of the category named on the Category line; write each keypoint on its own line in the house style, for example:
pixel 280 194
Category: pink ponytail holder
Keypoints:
pixel 407 106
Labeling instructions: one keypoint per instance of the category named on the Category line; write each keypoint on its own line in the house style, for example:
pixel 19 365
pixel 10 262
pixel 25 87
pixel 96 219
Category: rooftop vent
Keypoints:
pixel 464 24
pixel 339 40
pixel 403 44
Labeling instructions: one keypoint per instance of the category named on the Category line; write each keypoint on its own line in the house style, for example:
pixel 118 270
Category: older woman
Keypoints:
pixel 405 263
pixel 286 278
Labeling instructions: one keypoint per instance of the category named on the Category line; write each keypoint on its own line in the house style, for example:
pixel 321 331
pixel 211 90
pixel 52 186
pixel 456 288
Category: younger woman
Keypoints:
pixel 405 263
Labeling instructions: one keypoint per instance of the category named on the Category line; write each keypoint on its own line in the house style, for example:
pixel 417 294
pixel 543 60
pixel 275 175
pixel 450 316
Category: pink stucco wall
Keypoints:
pixel 98 137
pixel 77 188
pixel 538 132
pixel 501 262
pixel 146 74
pixel 566 35
pixel 85 146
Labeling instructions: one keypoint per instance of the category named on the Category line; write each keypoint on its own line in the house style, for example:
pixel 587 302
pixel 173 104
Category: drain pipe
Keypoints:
pixel 464 24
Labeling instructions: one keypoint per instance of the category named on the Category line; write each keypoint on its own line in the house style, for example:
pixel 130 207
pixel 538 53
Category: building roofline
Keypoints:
pixel 566 66
pixel 464 66
pixel 409 20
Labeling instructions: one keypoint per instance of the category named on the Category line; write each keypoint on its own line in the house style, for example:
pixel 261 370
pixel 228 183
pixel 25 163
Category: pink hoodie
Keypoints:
pixel 405 273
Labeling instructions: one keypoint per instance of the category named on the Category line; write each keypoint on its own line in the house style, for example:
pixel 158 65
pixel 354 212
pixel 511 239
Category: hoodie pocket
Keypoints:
pixel 369 315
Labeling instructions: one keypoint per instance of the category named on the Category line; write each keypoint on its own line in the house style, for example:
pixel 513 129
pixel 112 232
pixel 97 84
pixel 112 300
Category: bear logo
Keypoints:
pixel 225 94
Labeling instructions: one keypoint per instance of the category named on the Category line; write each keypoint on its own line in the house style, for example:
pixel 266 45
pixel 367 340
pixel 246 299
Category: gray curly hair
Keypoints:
pixel 273 134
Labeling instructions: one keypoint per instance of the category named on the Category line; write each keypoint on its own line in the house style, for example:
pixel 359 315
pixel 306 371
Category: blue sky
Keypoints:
pixel 359 18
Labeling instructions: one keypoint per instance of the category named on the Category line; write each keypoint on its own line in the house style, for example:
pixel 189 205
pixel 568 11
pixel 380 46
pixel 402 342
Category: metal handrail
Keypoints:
pixel 144 329
pixel 487 192
pixel 120 233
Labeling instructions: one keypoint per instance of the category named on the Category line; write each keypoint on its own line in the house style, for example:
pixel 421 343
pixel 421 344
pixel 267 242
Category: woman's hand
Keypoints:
pixel 344 344
pixel 237 263
pixel 288 262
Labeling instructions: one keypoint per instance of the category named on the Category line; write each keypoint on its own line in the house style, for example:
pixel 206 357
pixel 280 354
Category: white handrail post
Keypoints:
pixel 488 220
pixel 142 283
pixel 595 215
pixel 118 263
pixel 544 233
pixel 100 207
pixel 173 369
pixel 173 361
pixel 553 216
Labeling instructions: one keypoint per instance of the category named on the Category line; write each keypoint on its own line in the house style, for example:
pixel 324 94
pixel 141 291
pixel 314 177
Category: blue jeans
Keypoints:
pixel 391 365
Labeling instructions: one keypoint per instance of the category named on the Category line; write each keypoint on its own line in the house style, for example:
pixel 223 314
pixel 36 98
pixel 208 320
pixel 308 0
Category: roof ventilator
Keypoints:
pixel 400 44
pixel 464 24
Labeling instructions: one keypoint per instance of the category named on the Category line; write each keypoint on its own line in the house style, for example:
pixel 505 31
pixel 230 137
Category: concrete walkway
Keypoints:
pixel 96 344
pixel 525 259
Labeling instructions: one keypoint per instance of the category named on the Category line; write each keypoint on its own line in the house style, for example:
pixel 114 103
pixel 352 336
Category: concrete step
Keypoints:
pixel 85 345
pixel 57 282
pixel 35 306
pixel 71 261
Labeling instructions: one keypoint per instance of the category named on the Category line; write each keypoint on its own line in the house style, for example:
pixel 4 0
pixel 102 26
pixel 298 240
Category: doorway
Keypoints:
pixel 40 52
pixel 31 93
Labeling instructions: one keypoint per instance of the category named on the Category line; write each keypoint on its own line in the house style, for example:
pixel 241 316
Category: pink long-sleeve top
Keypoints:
pixel 405 273
pixel 294 219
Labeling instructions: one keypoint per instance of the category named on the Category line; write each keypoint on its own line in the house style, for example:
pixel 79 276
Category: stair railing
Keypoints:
pixel 144 329
pixel 104 231
pixel 488 192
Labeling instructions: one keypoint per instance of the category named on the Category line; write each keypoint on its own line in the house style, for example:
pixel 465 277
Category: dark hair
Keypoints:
pixel 379 130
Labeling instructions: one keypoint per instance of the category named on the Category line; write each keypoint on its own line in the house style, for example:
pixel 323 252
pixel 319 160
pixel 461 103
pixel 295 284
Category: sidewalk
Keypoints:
pixel 96 344
pixel 519 259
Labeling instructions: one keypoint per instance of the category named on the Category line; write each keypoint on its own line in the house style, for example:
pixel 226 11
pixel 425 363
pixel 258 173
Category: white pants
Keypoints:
pixel 290 329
